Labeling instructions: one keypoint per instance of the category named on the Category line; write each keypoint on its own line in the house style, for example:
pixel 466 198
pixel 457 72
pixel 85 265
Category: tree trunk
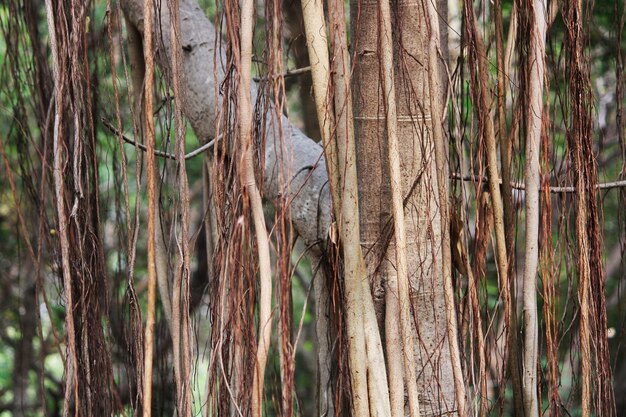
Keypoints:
pixel 203 69
pixel 419 183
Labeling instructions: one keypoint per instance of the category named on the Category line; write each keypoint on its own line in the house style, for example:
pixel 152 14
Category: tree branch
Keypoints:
pixel 157 152
pixel 203 69
pixel 553 189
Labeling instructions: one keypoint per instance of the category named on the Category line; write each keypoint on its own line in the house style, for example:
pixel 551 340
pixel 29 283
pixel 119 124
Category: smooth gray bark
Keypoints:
pixel 293 165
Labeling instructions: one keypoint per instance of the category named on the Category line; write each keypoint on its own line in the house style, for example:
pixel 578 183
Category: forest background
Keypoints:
pixel 467 160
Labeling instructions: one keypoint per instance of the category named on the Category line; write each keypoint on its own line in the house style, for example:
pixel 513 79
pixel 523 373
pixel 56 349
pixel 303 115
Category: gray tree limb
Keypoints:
pixel 293 166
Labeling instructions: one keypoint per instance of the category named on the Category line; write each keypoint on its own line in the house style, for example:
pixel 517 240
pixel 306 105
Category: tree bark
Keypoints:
pixel 301 160
pixel 203 67
pixel 532 182
pixel 419 182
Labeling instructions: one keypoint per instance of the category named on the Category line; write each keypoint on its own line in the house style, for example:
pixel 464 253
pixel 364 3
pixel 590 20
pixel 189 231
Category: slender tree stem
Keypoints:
pixel 180 311
pixel 532 182
pixel 492 165
pixel 378 391
pixel 317 44
pixel 442 184
pixel 505 145
pixel 151 174
pixel 397 296
pixel 249 182
pixel 71 362
pixel 510 43
pixel 315 29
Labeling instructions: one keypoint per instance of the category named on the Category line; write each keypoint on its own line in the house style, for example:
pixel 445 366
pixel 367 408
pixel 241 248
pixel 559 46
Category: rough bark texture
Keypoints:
pixel 423 227
pixel 301 160
pixel 203 66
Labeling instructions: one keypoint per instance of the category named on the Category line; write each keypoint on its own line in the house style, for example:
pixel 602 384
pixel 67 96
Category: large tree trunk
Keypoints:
pixel 419 183
pixel 308 190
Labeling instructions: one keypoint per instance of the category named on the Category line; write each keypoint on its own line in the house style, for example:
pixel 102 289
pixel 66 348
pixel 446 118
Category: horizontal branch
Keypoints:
pixel 290 73
pixel 553 189
pixel 163 154
pixel 453 175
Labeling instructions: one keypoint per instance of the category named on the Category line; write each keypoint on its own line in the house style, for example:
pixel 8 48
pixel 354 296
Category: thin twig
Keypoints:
pixel 163 154
pixel 454 175
pixel 289 73
pixel 553 189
